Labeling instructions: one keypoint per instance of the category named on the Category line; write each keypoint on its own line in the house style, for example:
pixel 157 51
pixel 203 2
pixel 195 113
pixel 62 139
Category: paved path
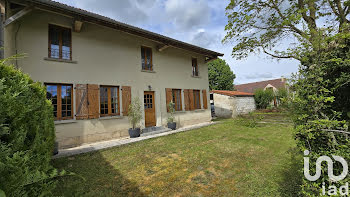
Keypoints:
pixel 118 142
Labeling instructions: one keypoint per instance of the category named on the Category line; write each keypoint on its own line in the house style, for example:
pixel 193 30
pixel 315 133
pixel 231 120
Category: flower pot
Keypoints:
pixel 134 132
pixel 172 125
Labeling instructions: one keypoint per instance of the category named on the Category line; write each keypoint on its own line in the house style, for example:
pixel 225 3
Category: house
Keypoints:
pixel 273 84
pixel 229 104
pixel 93 65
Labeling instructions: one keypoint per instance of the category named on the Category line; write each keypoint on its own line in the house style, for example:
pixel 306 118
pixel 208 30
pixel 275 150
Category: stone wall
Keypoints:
pixel 227 107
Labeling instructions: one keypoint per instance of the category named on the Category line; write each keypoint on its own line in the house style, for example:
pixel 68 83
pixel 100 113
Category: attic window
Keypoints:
pixel 60 42
pixel 146 58
pixel 194 67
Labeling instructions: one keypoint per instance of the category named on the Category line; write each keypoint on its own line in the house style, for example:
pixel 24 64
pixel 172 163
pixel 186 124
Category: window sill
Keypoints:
pixel 58 122
pixel 148 71
pixel 60 60
pixel 179 112
pixel 110 117
pixel 196 76
pixel 199 110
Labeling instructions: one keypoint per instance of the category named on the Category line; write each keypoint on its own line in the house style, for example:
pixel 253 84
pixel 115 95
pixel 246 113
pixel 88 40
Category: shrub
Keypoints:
pixel 263 98
pixel 27 135
pixel 135 112
pixel 171 107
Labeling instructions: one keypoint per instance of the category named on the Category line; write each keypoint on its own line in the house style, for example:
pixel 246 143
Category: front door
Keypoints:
pixel 150 109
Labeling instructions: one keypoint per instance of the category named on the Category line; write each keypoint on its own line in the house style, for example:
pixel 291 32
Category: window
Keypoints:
pixel 146 58
pixel 62 101
pixel 197 100
pixel 177 99
pixel 60 42
pixel 109 100
pixel 194 67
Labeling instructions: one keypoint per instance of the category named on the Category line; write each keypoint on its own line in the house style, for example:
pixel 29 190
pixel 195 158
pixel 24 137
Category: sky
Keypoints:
pixel 199 22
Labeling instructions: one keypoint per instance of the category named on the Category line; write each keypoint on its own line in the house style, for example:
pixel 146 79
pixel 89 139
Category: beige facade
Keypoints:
pixel 105 56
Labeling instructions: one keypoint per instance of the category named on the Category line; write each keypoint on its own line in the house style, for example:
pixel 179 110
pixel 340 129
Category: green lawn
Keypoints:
pixel 226 159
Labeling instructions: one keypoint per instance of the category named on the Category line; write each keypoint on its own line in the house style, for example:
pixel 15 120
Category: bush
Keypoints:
pixel 27 135
pixel 263 98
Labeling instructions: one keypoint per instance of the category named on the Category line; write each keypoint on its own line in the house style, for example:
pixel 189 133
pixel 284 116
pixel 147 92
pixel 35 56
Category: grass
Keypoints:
pixel 226 159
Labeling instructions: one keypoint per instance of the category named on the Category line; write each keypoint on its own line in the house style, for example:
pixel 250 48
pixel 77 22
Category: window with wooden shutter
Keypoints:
pixel 176 96
pixel 109 101
pixel 61 96
pixel 93 101
pixel 205 101
pixel 81 102
pixel 196 99
pixel 126 99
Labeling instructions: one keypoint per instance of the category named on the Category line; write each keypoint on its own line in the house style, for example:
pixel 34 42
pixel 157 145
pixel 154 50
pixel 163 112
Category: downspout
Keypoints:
pixel 16 51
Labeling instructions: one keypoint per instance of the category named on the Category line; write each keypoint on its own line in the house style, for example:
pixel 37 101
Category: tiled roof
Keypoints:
pixel 251 87
pixel 87 16
pixel 231 93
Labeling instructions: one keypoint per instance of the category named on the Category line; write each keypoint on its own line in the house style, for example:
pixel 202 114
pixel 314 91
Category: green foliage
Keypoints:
pixel 135 112
pixel 262 25
pixel 251 120
pixel 171 107
pixel 220 75
pixel 282 96
pixel 263 98
pixel 320 104
pixel 27 135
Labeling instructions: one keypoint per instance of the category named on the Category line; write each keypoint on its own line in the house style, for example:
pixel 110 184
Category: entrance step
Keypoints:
pixel 154 130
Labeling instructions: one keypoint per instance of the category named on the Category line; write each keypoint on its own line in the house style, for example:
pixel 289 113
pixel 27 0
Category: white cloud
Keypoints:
pixel 187 15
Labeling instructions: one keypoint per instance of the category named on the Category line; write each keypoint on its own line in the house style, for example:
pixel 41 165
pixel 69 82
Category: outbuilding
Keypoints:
pixel 232 103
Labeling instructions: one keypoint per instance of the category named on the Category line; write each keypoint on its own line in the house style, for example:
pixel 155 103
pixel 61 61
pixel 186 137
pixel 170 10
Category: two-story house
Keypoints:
pixel 93 65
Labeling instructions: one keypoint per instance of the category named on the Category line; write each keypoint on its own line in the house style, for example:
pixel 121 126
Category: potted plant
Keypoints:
pixel 171 123
pixel 135 116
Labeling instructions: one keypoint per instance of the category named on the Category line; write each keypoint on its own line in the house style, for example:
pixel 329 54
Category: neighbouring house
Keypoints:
pixel 93 65
pixel 273 84
pixel 232 103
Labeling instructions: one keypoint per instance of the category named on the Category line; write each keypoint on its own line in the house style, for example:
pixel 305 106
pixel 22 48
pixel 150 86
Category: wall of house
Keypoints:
pixel 105 56
pixel 224 106
pixel 230 107
pixel 244 105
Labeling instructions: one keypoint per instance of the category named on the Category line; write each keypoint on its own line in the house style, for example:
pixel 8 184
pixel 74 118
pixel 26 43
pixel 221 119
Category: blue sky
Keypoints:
pixel 199 22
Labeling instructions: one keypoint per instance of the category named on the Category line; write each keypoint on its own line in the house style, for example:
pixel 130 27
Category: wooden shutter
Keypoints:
pixel 169 95
pixel 126 99
pixel 93 101
pixel 205 101
pixel 187 101
pixel 191 99
pixel 81 102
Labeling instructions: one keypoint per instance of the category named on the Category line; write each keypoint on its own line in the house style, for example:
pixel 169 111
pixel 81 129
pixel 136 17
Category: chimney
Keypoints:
pixel 283 79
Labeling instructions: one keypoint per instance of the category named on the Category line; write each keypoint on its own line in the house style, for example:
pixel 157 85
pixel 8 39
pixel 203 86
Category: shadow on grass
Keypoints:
pixel 101 178
pixel 291 174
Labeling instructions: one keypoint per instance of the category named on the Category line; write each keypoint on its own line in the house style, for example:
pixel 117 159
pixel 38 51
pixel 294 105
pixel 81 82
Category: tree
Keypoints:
pixel 262 25
pixel 263 98
pixel 220 75
pixel 321 97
